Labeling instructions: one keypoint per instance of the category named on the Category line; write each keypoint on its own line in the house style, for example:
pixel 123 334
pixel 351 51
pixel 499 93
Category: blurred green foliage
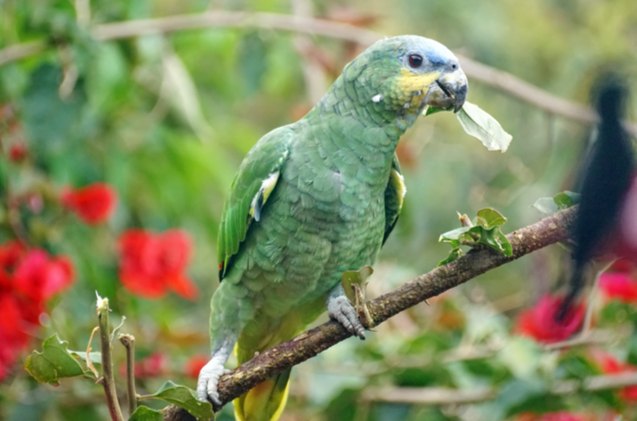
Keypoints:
pixel 166 120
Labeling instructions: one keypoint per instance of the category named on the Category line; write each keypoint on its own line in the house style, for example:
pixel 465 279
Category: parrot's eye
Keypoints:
pixel 415 60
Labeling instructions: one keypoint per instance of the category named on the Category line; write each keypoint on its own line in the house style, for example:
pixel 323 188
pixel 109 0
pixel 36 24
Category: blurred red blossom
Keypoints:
pixel 618 285
pixel 152 263
pixel 552 416
pixel 540 322
pixel 611 365
pixel 39 277
pixel 154 365
pixel 93 204
pixel 625 238
pixel 28 278
pixel 195 364
pixel 18 152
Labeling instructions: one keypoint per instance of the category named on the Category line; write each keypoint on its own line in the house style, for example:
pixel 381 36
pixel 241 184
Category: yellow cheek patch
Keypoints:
pixel 412 87
pixel 409 82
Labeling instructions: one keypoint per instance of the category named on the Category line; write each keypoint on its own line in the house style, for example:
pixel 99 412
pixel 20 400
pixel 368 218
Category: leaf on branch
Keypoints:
pixel 484 231
pixel 93 357
pixel 144 413
pixel 478 123
pixel 183 397
pixel 562 200
pixel 54 362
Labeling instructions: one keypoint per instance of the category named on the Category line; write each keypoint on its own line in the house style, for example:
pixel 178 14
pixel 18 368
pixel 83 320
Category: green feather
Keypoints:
pixel 267 157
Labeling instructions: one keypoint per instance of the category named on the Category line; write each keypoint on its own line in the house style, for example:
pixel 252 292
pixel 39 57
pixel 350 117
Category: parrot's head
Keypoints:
pixel 404 74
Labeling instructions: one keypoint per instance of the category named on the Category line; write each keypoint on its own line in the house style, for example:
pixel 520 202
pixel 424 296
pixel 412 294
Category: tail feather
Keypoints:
pixel 264 402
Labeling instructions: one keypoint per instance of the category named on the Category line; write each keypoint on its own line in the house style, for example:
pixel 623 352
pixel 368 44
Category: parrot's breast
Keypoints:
pixel 325 216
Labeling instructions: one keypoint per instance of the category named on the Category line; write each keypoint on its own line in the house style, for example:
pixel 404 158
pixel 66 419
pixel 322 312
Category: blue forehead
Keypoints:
pixel 435 52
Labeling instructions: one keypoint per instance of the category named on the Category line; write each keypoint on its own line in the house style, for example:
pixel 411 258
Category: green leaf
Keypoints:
pixel 454 254
pixel 562 200
pixel 184 397
pixel 53 363
pixel 94 357
pixel 431 110
pixel 490 218
pixel 566 199
pixel 144 413
pixel 478 123
pixel 485 231
pixel 546 205
pixel 455 236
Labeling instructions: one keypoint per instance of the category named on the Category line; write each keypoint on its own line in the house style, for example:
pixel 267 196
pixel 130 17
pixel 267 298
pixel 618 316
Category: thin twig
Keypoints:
pixel 89 349
pixel 128 341
pixel 21 51
pixel 589 337
pixel 108 379
pixel 235 19
pixel 452 396
pixel 428 395
pixel 490 76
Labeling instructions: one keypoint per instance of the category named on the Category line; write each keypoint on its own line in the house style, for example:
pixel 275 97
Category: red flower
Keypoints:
pixel 156 364
pixel 27 279
pixel 17 152
pixel 152 263
pixel 14 331
pixel 93 204
pixel 611 365
pixel 551 416
pixel 540 322
pixel 10 254
pixel 40 277
pixel 623 238
pixel 195 364
pixel 618 285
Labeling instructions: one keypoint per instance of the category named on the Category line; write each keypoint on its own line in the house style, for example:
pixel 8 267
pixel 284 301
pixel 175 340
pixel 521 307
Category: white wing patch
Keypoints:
pixel 262 195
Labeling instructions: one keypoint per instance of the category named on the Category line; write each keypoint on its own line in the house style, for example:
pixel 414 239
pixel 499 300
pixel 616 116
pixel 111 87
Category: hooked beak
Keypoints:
pixel 449 91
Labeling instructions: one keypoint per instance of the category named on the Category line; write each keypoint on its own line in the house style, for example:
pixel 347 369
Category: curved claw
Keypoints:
pixel 340 309
pixel 208 382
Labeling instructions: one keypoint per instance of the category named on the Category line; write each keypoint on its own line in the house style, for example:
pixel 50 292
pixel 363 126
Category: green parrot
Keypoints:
pixel 314 199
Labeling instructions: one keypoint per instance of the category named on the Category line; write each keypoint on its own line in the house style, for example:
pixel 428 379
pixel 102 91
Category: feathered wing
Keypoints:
pixel 256 180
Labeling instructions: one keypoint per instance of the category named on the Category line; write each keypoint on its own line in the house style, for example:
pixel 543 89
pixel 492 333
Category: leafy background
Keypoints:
pixel 166 119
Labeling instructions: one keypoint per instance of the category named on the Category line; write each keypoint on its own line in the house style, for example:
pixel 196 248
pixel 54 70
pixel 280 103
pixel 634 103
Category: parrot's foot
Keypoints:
pixel 208 383
pixel 340 309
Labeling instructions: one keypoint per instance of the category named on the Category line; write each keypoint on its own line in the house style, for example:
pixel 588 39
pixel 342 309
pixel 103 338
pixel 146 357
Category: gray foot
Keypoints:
pixel 340 309
pixel 208 382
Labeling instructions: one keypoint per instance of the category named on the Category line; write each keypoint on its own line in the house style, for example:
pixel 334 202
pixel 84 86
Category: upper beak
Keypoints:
pixel 449 91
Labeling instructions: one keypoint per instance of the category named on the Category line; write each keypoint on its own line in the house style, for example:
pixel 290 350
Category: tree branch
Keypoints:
pixel 490 76
pixel 543 233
